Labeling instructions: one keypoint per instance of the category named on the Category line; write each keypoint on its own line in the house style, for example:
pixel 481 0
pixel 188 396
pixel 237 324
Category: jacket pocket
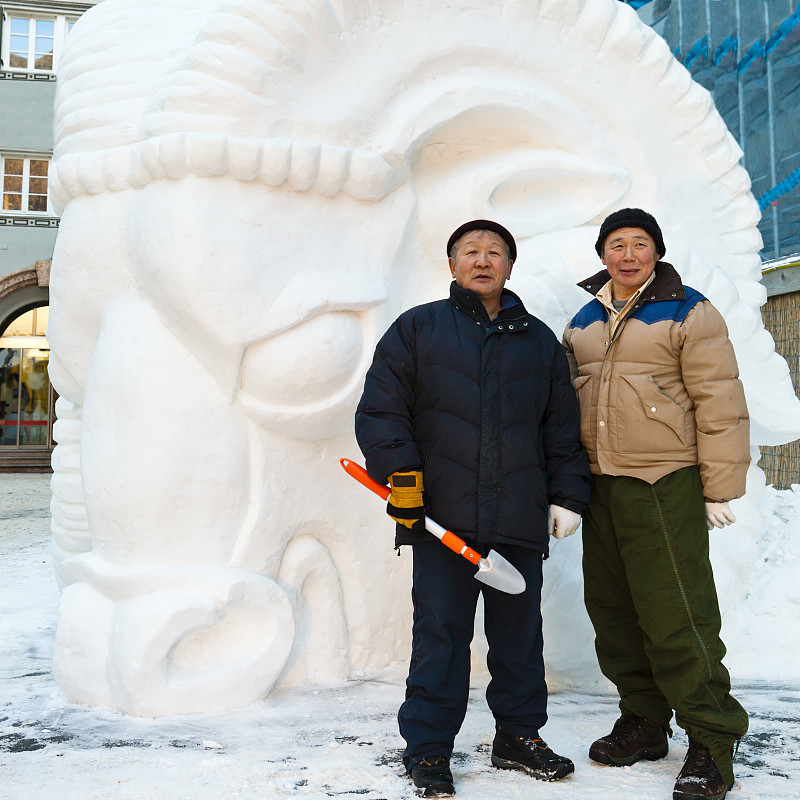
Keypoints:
pixel 424 452
pixel 648 419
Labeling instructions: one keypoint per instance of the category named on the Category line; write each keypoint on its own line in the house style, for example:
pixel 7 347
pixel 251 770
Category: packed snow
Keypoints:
pixel 338 740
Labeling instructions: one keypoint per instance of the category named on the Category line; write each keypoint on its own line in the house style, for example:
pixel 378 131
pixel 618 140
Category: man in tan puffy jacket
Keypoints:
pixel 665 424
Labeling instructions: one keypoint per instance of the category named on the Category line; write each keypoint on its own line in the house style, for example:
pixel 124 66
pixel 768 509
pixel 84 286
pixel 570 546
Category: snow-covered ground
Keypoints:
pixel 337 741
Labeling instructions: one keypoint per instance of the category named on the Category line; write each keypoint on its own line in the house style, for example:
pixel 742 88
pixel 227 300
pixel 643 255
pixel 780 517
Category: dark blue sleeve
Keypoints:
pixel 384 425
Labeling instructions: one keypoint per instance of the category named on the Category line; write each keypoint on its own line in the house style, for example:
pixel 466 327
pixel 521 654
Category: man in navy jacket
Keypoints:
pixel 468 413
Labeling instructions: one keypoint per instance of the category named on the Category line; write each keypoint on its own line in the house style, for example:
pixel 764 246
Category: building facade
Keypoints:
pixel 746 53
pixel 32 36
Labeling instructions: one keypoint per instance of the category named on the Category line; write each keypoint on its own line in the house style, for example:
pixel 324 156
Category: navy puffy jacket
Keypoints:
pixel 487 410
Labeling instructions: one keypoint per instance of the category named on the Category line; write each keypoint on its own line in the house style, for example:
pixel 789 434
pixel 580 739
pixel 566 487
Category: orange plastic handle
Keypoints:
pixel 458 546
pixel 447 538
pixel 360 474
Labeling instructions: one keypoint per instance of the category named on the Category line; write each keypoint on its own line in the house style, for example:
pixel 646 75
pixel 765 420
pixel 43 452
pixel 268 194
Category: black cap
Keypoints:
pixel 630 218
pixel 484 225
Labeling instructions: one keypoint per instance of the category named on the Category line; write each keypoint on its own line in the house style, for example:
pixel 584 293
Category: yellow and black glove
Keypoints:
pixel 406 505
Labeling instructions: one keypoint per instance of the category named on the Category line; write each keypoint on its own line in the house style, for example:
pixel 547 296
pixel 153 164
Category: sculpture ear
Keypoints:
pixel 482 165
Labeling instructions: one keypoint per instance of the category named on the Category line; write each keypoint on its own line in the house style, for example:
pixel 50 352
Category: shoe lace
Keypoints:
pixel 698 759
pixel 436 762
pixel 538 743
pixel 628 727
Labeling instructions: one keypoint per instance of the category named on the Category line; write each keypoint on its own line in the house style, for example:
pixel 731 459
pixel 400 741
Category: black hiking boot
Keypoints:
pixel 699 778
pixel 631 739
pixel 432 777
pixel 529 754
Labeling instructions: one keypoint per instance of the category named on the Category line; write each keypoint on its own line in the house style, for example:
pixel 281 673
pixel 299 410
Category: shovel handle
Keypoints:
pixel 447 538
pixel 360 474
pixel 452 541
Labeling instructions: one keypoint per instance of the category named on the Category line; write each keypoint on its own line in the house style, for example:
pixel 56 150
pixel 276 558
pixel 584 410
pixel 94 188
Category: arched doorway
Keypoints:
pixel 27 400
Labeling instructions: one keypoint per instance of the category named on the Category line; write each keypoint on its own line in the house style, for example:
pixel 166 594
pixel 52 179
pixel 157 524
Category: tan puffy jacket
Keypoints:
pixel 662 393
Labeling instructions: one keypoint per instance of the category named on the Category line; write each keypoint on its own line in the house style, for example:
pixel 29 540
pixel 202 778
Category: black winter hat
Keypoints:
pixel 630 218
pixel 484 225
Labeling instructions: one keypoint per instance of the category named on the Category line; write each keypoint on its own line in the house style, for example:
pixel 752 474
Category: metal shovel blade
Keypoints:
pixel 500 573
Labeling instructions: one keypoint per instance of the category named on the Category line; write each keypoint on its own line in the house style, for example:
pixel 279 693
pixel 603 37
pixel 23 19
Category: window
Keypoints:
pixel 29 323
pixel 25 185
pixel 33 44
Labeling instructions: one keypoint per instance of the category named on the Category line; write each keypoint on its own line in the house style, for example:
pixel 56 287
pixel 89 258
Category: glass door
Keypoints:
pixel 27 400
pixel 11 398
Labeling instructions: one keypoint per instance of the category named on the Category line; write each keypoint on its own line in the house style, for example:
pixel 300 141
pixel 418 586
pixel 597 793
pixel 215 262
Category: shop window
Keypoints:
pixel 27 400
pixel 31 323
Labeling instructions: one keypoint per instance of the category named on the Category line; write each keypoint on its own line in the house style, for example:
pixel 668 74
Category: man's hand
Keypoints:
pixel 719 515
pixel 405 504
pixel 561 522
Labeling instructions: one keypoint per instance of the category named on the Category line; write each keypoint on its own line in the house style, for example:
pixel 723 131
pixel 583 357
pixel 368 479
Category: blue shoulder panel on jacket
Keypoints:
pixel 672 310
pixel 593 311
pixel 649 313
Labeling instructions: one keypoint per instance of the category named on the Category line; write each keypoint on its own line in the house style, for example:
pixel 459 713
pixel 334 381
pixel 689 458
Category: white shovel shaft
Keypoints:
pixel 435 528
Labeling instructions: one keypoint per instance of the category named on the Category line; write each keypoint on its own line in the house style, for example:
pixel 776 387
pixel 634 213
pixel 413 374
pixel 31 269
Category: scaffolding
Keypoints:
pixel 746 53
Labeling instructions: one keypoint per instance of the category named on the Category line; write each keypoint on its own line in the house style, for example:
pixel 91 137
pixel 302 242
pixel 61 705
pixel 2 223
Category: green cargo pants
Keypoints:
pixel 650 594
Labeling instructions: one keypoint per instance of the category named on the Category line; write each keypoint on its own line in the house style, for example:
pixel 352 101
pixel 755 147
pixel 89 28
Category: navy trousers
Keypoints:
pixel 445 596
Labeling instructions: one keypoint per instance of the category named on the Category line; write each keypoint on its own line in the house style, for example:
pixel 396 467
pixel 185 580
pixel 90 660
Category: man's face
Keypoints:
pixel 481 264
pixel 629 255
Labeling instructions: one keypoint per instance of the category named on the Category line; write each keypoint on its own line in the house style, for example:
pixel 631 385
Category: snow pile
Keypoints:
pixel 760 628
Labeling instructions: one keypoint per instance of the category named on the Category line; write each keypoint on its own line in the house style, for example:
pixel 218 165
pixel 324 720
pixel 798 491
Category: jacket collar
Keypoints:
pixel 470 302
pixel 666 284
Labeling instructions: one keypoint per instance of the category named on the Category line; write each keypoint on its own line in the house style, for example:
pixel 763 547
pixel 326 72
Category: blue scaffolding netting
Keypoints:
pixel 739 57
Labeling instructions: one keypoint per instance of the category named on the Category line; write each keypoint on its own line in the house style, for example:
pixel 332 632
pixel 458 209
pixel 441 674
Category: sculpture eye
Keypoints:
pixel 307 363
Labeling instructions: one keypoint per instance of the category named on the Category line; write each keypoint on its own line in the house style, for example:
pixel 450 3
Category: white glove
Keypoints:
pixel 561 522
pixel 719 515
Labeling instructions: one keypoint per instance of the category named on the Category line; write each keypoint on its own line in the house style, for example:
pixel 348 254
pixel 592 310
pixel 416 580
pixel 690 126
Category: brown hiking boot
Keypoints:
pixel 699 778
pixel 632 739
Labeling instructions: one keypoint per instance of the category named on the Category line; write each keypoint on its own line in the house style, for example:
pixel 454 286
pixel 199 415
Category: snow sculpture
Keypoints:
pixel 251 191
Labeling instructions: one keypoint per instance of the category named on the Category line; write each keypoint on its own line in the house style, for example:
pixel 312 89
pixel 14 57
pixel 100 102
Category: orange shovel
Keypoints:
pixel 493 569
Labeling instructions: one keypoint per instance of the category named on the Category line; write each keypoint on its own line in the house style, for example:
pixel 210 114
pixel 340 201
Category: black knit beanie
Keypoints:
pixel 630 218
